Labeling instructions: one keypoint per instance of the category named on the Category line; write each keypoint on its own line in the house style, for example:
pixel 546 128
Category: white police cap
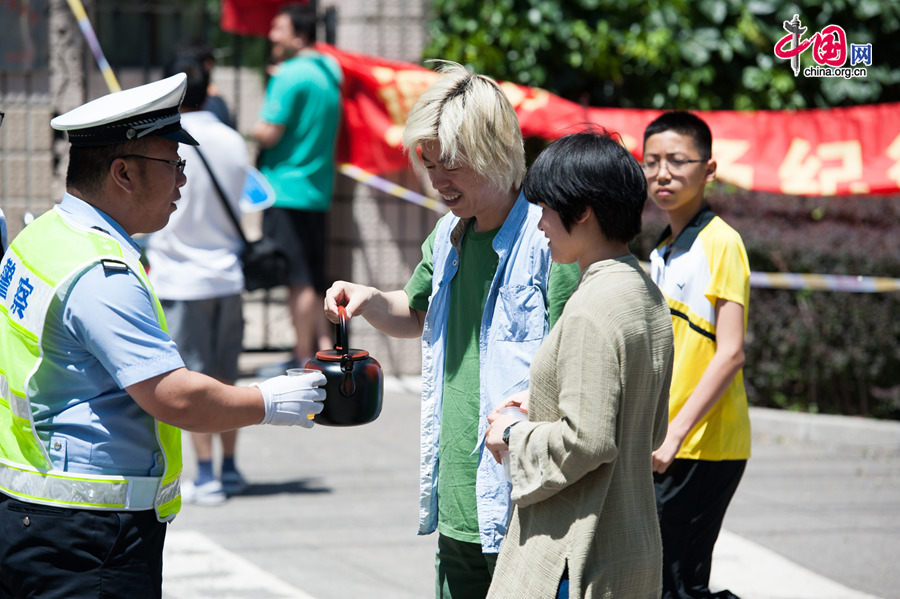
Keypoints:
pixel 146 110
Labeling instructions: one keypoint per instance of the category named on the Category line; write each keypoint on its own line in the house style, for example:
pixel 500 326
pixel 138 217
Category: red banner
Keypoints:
pixel 249 17
pixel 835 151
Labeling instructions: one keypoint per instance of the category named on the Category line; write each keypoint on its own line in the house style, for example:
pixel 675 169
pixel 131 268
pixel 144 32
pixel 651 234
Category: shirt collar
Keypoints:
pixel 687 236
pixel 93 218
pixel 510 226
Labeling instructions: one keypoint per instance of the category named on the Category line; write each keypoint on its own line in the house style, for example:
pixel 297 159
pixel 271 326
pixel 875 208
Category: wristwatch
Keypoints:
pixel 505 437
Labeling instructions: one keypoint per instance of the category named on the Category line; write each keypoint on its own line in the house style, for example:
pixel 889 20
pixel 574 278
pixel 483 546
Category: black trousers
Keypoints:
pixel 691 499
pixel 463 571
pixel 303 237
pixel 52 552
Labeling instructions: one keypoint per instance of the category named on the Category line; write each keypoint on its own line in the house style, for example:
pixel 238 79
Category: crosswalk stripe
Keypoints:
pixel 194 567
pixel 752 571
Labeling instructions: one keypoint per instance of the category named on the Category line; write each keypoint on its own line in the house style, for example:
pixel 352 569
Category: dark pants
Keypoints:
pixel 303 237
pixel 691 499
pixel 51 553
pixel 463 571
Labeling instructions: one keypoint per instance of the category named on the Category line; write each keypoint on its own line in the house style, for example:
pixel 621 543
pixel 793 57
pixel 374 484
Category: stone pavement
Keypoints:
pixel 331 513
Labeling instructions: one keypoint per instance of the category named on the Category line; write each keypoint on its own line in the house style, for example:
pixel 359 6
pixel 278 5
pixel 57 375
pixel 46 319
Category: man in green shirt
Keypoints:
pixel 297 131
pixel 482 298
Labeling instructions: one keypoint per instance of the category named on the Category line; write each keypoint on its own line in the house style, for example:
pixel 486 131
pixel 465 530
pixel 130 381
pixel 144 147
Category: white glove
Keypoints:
pixel 292 400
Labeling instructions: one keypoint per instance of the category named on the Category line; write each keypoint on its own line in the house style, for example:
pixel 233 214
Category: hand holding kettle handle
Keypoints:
pixel 344 348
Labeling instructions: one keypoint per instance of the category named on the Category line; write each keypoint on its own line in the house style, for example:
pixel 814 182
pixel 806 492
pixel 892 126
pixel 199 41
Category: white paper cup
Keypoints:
pixel 301 372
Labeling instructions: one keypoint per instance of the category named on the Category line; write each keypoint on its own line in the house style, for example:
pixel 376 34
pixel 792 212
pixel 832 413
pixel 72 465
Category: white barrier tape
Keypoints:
pixel 769 280
pixel 94 44
pixel 358 174
pixel 815 282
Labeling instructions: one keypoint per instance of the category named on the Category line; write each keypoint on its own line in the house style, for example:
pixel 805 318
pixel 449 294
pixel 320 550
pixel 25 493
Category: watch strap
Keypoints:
pixel 506 431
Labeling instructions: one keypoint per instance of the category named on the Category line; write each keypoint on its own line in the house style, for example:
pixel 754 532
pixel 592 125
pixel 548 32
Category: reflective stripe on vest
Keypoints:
pixel 31 273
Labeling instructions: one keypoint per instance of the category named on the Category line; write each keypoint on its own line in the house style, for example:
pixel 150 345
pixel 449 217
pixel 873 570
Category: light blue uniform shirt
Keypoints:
pixel 101 335
pixel 4 242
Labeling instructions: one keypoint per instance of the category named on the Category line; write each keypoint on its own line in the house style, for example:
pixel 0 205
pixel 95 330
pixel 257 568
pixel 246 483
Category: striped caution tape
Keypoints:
pixel 767 280
pixel 388 187
pixel 88 32
pixel 814 282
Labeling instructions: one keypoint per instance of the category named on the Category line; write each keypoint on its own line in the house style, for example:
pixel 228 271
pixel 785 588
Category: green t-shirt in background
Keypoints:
pixel 304 97
pixel 457 464
pixel 561 284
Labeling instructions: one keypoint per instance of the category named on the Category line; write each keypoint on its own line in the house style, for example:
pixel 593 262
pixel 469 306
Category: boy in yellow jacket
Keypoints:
pixel 701 265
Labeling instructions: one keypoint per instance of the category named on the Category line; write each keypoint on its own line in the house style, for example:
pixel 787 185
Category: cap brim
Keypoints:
pixel 181 136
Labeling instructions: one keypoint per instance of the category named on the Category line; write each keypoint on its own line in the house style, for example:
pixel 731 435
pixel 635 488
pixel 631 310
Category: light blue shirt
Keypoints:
pixel 101 335
pixel 4 242
pixel 513 325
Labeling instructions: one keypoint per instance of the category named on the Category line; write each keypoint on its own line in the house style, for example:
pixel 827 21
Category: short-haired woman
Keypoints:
pixel 585 519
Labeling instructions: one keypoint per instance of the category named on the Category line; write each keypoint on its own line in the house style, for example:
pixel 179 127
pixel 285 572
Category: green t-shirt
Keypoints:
pixel 457 464
pixel 304 96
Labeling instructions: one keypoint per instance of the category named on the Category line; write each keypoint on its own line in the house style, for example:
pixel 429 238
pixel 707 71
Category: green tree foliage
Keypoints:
pixel 690 54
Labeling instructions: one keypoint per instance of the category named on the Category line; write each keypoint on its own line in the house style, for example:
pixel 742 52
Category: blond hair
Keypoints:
pixel 470 116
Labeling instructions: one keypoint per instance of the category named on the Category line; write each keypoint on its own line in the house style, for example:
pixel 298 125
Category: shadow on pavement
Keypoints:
pixel 291 487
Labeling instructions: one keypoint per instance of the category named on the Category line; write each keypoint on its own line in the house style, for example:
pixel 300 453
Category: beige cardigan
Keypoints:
pixel 581 470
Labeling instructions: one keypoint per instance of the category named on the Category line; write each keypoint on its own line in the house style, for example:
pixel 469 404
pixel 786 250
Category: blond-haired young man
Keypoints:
pixel 482 298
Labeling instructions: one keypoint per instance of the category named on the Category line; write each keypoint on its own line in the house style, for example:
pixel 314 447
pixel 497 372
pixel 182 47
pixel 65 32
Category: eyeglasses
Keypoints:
pixel 673 165
pixel 179 164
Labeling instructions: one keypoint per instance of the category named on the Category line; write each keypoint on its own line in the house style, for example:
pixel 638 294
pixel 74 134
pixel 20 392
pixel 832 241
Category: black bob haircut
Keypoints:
pixel 683 123
pixel 590 170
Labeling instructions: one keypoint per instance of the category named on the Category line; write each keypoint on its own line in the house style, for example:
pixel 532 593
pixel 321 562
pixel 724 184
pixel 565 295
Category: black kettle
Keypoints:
pixel 354 382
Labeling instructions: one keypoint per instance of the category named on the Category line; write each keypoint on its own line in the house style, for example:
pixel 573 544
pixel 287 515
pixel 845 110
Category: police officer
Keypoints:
pixel 93 390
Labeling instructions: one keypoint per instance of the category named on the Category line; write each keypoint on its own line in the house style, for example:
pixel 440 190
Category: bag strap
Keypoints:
pixel 225 204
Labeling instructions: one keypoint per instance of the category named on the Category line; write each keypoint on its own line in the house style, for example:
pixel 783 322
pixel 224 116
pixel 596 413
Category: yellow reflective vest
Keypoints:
pixel 31 272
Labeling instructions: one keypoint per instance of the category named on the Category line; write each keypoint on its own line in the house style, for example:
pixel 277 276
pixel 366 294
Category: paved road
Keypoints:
pixel 830 504
pixel 331 514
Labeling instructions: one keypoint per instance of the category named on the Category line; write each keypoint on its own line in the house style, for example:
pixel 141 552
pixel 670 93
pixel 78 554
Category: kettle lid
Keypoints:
pixel 337 354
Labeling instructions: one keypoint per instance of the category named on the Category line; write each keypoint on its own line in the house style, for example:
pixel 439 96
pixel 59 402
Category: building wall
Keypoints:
pixel 375 238
pixel 26 166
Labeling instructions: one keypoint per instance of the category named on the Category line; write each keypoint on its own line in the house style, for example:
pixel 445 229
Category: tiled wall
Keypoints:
pixel 26 168
pixel 375 238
